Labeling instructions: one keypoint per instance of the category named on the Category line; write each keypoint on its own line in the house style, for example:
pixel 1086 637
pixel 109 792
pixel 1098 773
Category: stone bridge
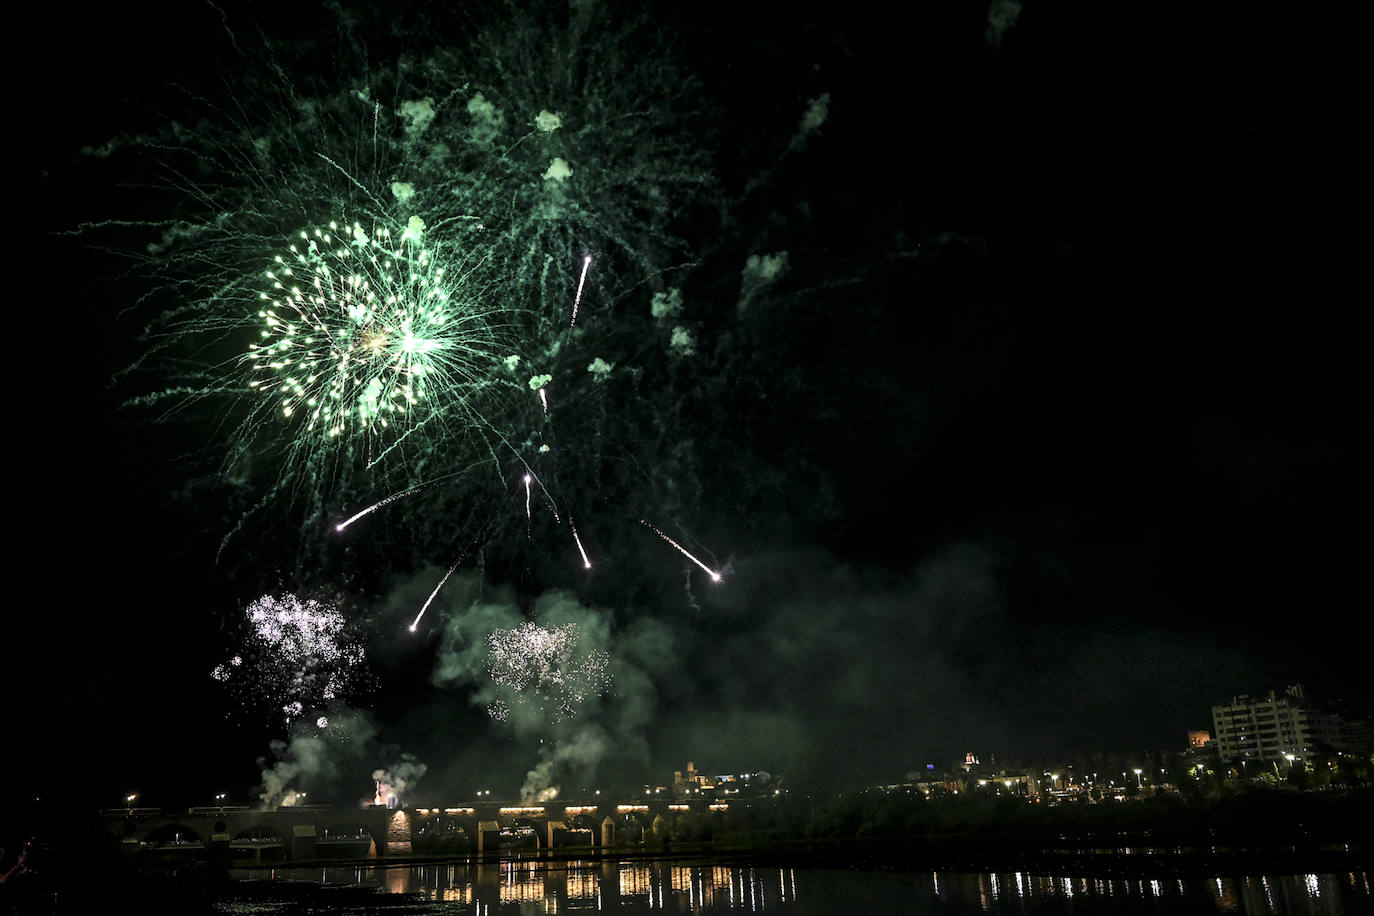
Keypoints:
pixel 300 831
pixel 321 831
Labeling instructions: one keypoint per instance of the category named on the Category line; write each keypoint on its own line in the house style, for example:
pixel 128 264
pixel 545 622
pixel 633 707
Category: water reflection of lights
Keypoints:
pixel 634 880
pixel 582 884
pixel 570 886
pixel 523 886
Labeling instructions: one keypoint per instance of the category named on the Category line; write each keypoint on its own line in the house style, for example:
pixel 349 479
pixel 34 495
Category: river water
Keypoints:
pixel 705 886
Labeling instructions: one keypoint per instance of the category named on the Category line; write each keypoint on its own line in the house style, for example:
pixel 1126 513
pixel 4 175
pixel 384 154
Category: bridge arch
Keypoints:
pixel 258 832
pixel 583 830
pixel 442 833
pixel 260 838
pixel 522 828
pixel 629 828
pixel 347 838
pixel 174 835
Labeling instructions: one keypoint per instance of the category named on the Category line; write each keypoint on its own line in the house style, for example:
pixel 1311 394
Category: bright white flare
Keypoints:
pixel 577 300
pixel 377 505
pixel 416 622
pixel 715 576
pixel 586 563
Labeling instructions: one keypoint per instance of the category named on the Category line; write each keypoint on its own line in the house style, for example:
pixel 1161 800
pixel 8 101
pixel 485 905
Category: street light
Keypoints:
pixel 1138 782
pixel 130 799
pixel 220 798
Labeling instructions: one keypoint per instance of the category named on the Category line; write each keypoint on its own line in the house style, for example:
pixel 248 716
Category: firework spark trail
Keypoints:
pixel 715 576
pixel 577 300
pixel 377 505
pixel 544 399
pixel 527 501
pixel 586 563
pixel 416 622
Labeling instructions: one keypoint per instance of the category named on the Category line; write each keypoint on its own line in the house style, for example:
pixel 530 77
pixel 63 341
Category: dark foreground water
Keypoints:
pixel 704 886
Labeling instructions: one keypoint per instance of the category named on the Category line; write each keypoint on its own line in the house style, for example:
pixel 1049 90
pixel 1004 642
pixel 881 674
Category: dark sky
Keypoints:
pixel 1049 438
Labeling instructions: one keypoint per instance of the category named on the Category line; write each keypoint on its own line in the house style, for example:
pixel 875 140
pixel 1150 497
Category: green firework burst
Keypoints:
pixel 361 334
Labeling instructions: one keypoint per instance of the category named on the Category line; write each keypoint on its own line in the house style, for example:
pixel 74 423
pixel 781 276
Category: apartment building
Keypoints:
pixel 1274 728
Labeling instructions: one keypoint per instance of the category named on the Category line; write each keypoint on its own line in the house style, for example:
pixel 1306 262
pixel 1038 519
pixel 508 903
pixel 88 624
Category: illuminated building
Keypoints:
pixel 691 780
pixel 1272 728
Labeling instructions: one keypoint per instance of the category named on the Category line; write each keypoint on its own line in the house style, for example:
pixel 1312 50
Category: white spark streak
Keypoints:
pixel 416 622
pixel 715 576
pixel 577 300
pixel 586 563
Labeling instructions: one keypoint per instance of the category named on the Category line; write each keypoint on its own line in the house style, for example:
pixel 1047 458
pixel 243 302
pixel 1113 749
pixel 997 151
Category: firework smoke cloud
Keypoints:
pixel 395 781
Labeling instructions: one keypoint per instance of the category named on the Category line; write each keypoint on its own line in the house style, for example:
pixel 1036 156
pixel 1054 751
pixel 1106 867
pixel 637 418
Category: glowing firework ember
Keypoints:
pixel 300 656
pixel 543 670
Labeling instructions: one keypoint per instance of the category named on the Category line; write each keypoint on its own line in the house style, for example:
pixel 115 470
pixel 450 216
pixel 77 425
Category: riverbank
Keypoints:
pixel 1156 838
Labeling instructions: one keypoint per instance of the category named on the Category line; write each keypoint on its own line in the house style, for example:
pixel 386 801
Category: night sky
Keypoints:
pixel 1049 437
